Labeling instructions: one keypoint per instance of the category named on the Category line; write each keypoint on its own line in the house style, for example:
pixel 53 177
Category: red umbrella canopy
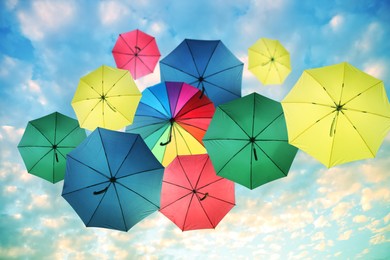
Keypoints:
pixel 136 52
pixel 193 196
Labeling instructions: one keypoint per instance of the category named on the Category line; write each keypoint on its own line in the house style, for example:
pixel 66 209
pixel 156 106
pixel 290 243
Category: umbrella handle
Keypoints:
pixel 138 49
pixel 110 106
pixel 100 191
pixel 201 95
pixel 255 153
pixel 333 127
pixel 56 154
pixel 205 196
pixel 170 136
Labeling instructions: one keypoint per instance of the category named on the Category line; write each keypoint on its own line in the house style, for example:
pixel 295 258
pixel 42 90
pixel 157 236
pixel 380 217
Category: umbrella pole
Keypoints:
pixel 170 133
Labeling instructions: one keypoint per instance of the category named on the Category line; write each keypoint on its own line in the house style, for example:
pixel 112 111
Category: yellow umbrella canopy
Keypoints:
pixel 269 61
pixel 337 114
pixel 107 97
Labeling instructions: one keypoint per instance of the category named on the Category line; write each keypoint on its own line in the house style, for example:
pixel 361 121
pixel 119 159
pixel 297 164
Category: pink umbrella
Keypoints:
pixel 192 195
pixel 137 52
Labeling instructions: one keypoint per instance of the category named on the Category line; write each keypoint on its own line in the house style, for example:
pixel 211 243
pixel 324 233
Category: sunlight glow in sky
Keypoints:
pixel 314 213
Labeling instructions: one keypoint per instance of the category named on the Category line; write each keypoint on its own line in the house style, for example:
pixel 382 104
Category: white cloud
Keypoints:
pixel 157 28
pixel 53 222
pixel 112 12
pixel 370 36
pixel 321 222
pixel 345 235
pixel 375 68
pixel 379 239
pixel 341 210
pixel 360 219
pixel 11 4
pixel 321 246
pixel 11 133
pixel 318 236
pixel 370 196
pixel 386 218
pixel 46 17
pixel 39 201
pixel 336 22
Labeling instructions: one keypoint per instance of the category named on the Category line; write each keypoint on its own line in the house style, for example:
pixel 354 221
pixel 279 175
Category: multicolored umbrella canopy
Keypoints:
pixel 337 114
pixel 207 65
pixel 113 180
pixel 193 196
pixel 106 97
pixel 46 142
pixel 247 141
pixel 173 117
pixel 137 52
pixel 269 61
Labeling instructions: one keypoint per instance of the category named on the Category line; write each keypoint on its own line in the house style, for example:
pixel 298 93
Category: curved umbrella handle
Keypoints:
pixel 170 135
pixel 205 196
pixel 201 95
pixel 255 153
pixel 56 154
pixel 100 191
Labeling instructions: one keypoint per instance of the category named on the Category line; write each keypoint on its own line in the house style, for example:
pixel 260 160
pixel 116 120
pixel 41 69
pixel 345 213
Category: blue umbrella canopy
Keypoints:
pixel 112 180
pixel 207 65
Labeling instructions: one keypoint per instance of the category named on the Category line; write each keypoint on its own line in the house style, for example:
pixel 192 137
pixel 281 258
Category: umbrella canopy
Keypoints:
pixel 173 117
pixel 112 180
pixel 337 114
pixel 193 196
pixel 253 148
pixel 46 142
pixel 269 61
pixel 137 52
pixel 207 65
pixel 106 97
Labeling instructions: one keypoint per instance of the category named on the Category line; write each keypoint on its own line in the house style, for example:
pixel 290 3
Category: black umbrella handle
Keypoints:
pixel 205 196
pixel 170 135
pixel 201 95
pixel 255 153
pixel 56 154
pixel 100 191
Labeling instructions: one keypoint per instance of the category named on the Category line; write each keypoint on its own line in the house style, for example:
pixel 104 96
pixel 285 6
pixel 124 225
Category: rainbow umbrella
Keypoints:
pixel 207 65
pixel 137 52
pixel 192 195
pixel 172 117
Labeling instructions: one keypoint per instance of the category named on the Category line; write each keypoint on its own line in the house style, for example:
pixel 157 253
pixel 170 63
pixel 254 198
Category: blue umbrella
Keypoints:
pixel 207 65
pixel 113 180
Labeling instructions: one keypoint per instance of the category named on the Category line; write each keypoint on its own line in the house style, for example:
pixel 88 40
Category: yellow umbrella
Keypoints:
pixel 337 114
pixel 269 61
pixel 107 97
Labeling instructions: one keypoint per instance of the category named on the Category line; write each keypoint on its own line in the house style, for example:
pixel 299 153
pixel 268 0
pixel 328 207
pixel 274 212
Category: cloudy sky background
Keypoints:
pixel 46 46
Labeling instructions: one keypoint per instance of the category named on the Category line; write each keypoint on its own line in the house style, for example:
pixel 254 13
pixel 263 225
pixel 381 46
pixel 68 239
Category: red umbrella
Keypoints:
pixel 192 195
pixel 137 52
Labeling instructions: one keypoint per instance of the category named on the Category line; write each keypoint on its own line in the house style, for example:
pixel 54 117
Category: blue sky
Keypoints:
pixel 337 213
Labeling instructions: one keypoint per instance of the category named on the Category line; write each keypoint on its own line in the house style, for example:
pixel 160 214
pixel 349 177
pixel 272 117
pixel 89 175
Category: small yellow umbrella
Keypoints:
pixel 107 97
pixel 337 114
pixel 269 61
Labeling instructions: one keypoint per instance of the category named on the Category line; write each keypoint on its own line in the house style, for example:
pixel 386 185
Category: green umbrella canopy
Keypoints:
pixel 46 142
pixel 247 141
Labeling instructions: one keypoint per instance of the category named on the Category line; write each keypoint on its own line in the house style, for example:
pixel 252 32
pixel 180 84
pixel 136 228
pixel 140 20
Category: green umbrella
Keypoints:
pixel 46 142
pixel 247 141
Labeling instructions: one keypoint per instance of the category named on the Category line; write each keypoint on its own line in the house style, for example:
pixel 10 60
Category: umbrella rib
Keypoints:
pixel 184 72
pixel 180 186
pixel 176 201
pixel 365 112
pixel 146 66
pixel 212 54
pixel 184 140
pixel 40 159
pixel 127 155
pixel 120 35
pixel 271 159
pixel 67 134
pixel 197 127
pixel 167 113
pixel 138 194
pixel 90 186
pixel 88 166
pixel 85 118
pixel 188 209
pixel 158 111
pixel 227 90
pixel 113 85
pixel 120 205
pixel 224 70
pixel 201 172
pixel 100 202
pixel 193 59
pixel 326 91
pixel 235 122
pixel 195 108
pixel 228 202
pixel 201 205
pixel 312 125
pixel 142 126
pixel 223 139
pixel 234 156
pixel 136 173
pixel 105 154
pixel 378 83
pixel 86 83
pixel 41 133
pixel 185 173
pixel 276 118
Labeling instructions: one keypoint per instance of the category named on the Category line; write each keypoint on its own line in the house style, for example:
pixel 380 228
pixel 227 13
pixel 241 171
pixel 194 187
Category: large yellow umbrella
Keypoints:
pixel 269 61
pixel 107 97
pixel 337 114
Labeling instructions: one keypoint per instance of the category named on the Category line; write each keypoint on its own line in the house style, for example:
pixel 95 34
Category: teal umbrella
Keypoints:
pixel 247 141
pixel 46 142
